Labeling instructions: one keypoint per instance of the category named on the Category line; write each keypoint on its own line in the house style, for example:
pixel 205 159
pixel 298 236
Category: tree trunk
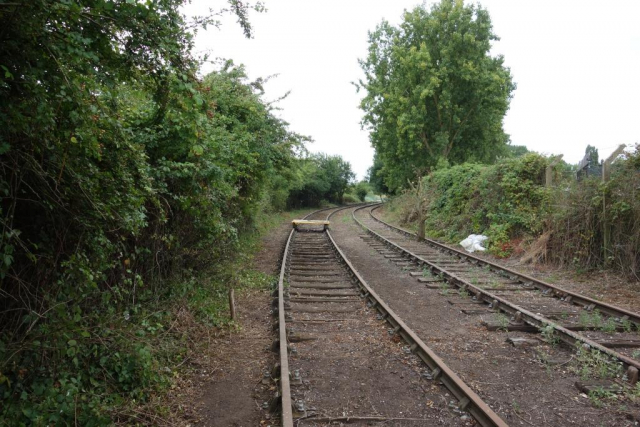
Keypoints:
pixel 421 220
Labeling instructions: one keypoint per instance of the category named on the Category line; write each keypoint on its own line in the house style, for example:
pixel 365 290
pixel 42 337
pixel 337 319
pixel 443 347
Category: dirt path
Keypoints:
pixel 229 384
pixel 526 386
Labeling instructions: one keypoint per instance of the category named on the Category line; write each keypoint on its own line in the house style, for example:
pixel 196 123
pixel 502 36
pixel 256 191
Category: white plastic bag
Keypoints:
pixel 474 243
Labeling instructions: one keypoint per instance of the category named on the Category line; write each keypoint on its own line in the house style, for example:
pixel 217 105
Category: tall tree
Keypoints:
pixel 433 91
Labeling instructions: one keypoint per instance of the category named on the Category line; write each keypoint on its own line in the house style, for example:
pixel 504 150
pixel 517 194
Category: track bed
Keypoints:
pixel 343 361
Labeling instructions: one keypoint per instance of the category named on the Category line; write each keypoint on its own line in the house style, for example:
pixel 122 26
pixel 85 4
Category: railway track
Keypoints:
pixel 533 305
pixel 338 362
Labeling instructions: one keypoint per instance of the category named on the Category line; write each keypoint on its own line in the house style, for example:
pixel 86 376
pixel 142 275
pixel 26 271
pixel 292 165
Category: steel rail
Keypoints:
pixel 468 399
pixel 562 293
pixel 286 416
pixel 498 303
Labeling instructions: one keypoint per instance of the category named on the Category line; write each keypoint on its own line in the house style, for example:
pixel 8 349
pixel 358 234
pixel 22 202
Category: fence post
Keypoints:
pixel 606 231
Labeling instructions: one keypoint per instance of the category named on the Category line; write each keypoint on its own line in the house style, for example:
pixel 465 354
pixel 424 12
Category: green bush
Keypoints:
pixel 509 203
pixel 349 199
pixel 123 176
pixel 504 201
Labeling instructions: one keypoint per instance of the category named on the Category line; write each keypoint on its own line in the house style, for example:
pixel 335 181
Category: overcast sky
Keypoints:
pixel 576 64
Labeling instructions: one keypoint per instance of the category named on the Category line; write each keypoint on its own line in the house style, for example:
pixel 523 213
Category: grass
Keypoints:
pixel 503 321
pixel 463 293
pixel 543 357
pixel 600 396
pixel 592 363
pixel 444 287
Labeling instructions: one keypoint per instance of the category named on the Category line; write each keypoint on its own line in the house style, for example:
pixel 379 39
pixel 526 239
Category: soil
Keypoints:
pixel 525 385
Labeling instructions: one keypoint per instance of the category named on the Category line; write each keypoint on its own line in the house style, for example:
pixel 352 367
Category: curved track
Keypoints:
pixel 533 304
pixel 331 349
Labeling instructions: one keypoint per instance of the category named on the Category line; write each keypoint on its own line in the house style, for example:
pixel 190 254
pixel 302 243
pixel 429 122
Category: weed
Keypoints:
pixel 549 335
pixel 553 277
pixel 493 284
pixel 596 317
pixel 585 319
pixel 627 325
pixel 634 393
pixel 636 355
pixel 515 406
pixel 594 320
pixel 595 364
pixel 426 272
pixel 609 326
pixel 599 396
pixel 503 321
pixel 463 293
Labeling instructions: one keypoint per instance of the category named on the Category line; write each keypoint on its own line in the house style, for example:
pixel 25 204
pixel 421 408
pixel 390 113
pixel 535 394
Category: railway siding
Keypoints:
pixel 526 299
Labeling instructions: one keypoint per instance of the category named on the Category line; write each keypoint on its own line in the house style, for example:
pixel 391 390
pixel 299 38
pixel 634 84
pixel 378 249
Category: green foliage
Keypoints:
pixel 376 176
pixel 434 94
pixel 509 203
pixel 516 150
pixel 357 192
pixel 123 175
pixel 591 363
pixel 362 189
pixel 320 177
pixel 548 333
pixel 503 201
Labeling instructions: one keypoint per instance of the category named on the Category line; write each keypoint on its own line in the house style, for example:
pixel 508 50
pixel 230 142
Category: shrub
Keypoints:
pixel 509 203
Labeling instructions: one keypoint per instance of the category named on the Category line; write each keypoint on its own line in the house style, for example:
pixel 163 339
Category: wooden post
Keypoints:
pixel 606 232
pixel 549 170
pixel 232 304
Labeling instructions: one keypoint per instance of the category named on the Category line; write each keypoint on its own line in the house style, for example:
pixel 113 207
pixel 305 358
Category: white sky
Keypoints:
pixel 576 64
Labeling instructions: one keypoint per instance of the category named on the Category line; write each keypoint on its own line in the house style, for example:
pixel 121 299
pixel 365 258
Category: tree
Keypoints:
pixel 516 150
pixel 362 189
pixel 321 177
pixel 122 174
pixel 433 92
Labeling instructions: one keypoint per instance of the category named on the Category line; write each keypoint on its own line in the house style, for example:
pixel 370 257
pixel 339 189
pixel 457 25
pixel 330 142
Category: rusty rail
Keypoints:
pixel 286 416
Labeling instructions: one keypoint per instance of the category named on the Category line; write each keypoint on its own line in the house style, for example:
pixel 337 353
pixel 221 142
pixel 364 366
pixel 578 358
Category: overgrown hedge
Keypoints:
pixel 122 175
pixel 508 202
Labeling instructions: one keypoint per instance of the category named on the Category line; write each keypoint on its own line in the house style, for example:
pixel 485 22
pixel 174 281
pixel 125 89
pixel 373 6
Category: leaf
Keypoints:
pixel 197 150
